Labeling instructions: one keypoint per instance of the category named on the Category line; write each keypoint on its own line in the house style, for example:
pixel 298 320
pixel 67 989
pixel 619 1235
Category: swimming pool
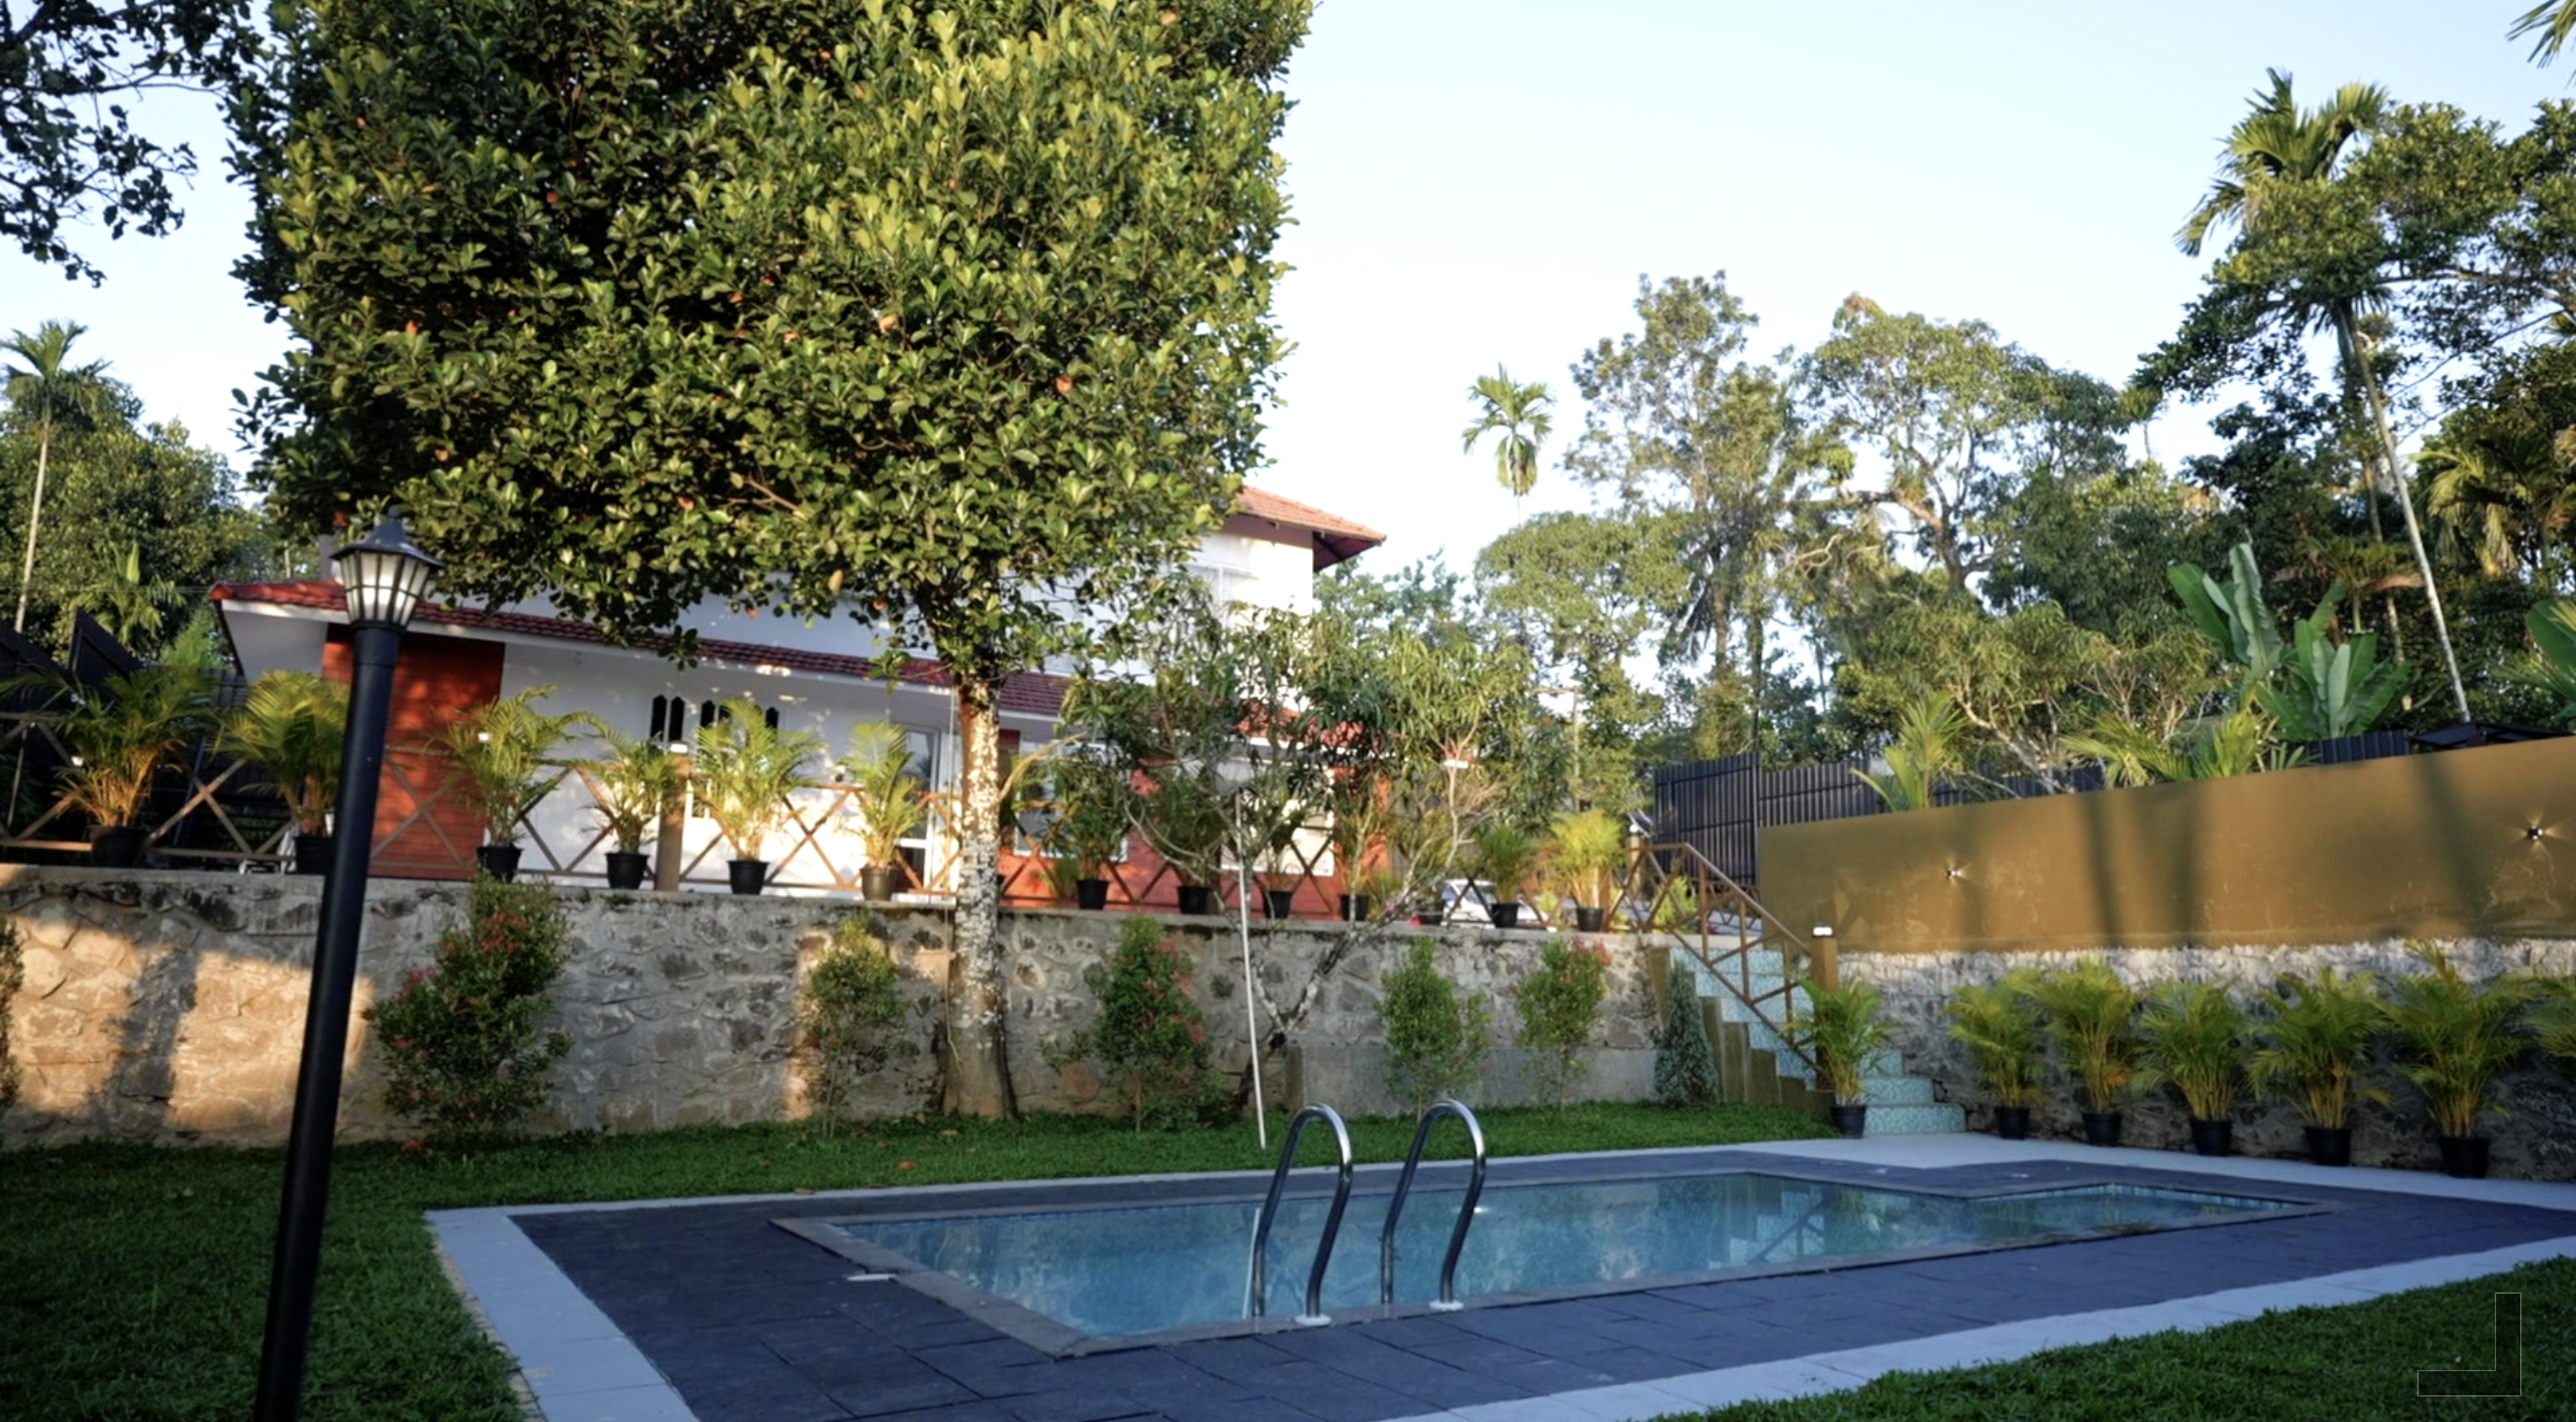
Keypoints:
pixel 1119 1270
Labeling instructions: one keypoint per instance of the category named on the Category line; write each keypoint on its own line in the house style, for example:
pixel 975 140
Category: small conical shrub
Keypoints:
pixel 1685 1068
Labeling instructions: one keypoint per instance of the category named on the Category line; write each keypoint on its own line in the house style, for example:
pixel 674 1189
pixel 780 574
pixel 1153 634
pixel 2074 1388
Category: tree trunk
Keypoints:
pixel 35 518
pixel 2414 530
pixel 978 1079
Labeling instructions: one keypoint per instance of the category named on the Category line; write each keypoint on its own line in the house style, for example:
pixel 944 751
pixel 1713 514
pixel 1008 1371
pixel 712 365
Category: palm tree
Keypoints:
pixel 2553 21
pixel 2277 147
pixel 50 391
pixel 1519 413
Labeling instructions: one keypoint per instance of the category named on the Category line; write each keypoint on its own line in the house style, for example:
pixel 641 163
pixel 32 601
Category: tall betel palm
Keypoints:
pixel 1519 413
pixel 2278 147
pixel 49 392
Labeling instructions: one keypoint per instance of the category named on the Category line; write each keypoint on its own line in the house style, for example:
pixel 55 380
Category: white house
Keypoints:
pixel 815 676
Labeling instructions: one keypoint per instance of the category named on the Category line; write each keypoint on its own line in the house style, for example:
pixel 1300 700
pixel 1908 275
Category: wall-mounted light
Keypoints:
pixel 1822 930
pixel 2535 832
pixel 1953 871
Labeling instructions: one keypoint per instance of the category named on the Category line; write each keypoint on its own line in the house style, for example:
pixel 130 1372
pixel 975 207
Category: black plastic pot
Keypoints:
pixel 1091 894
pixel 2102 1128
pixel 1590 920
pixel 1355 907
pixel 312 854
pixel 1506 915
pixel 2330 1145
pixel 1852 1121
pixel 501 861
pixel 747 875
pixel 2012 1123
pixel 2213 1137
pixel 1278 903
pixel 626 871
pixel 1197 898
pixel 117 847
pixel 876 881
pixel 2463 1157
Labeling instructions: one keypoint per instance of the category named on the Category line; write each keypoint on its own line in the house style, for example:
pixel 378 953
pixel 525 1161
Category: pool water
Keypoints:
pixel 1140 1269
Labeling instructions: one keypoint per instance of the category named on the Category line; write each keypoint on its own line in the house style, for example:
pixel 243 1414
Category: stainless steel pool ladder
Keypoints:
pixel 1256 1296
pixel 1448 1300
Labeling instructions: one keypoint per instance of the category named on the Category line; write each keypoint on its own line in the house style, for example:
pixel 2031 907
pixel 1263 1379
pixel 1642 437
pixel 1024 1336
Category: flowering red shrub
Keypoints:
pixel 464 1051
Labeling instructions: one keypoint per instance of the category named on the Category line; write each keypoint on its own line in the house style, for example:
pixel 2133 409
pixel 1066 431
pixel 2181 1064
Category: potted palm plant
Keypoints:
pixel 1090 829
pixel 747 769
pixel 2314 1042
pixel 2088 1011
pixel 1842 1029
pixel 1585 850
pixel 2454 1037
pixel 505 753
pixel 1186 824
pixel 120 733
pixel 2192 1038
pixel 1505 853
pixel 1357 831
pixel 1999 1025
pixel 887 799
pixel 634 786
pixel 290 724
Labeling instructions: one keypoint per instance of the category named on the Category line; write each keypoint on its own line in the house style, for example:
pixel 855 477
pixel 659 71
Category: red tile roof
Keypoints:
pixel 1034 692
pixel 1336 537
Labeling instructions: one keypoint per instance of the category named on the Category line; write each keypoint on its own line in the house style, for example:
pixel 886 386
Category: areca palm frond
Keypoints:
pixel 2553 21
pixel 2506 496
pixel 1520 414
pixel 2277 142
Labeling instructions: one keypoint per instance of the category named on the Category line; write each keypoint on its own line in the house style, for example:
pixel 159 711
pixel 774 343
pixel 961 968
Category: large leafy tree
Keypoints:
pixel 46 393
pixel 955 321
pixel 139 520
pixel 1683 428
pixel 2290 272
pixel 68 70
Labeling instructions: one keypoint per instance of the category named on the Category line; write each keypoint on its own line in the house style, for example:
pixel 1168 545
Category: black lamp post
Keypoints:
pixel 384 578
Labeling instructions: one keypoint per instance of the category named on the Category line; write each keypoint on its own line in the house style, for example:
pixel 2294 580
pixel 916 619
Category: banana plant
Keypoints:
pixel 2323 688
pixel 2553 672
pixel 2232 614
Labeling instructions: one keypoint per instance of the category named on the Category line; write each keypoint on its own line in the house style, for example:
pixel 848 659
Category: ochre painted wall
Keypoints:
pixel 2429 846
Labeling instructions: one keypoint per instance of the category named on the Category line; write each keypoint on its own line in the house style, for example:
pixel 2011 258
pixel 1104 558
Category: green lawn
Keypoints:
pixel 133 1279
pixel 2351 1364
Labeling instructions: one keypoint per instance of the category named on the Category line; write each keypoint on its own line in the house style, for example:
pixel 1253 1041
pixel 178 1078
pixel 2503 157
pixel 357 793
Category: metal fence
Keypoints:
pixel 1720 807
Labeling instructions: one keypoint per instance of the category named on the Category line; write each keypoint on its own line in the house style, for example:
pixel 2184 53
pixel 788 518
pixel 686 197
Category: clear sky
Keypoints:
pixel 1478 181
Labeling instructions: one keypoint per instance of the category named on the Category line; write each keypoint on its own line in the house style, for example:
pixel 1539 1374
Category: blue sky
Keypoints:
pixel 1482 182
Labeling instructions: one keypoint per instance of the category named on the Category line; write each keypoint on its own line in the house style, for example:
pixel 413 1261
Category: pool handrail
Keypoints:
pixel 1257 1291
pixel 1448 1300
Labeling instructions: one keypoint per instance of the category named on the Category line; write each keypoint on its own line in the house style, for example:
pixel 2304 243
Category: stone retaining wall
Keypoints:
pixel 170 1006
pixel 2534 1132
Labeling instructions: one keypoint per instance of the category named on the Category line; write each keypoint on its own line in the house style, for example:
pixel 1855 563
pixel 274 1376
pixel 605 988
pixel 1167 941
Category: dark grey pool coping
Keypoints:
pixel 705 1310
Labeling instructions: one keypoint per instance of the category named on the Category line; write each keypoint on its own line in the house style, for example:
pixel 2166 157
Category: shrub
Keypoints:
pixel 2194 1042
pixel 13 976
pixel 1558 1006
pixel 1842 1030
pixel 1998 1023
pixel 846 1013
pixel 2316 1040
pixel 1151 1040
pixel 464 1052
pixel 1685 1067
pixel 1436 1040
pixel 2088 1009
pixel 2454 1037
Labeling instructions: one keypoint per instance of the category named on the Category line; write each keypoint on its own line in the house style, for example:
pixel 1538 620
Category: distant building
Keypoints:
pixel 816 676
